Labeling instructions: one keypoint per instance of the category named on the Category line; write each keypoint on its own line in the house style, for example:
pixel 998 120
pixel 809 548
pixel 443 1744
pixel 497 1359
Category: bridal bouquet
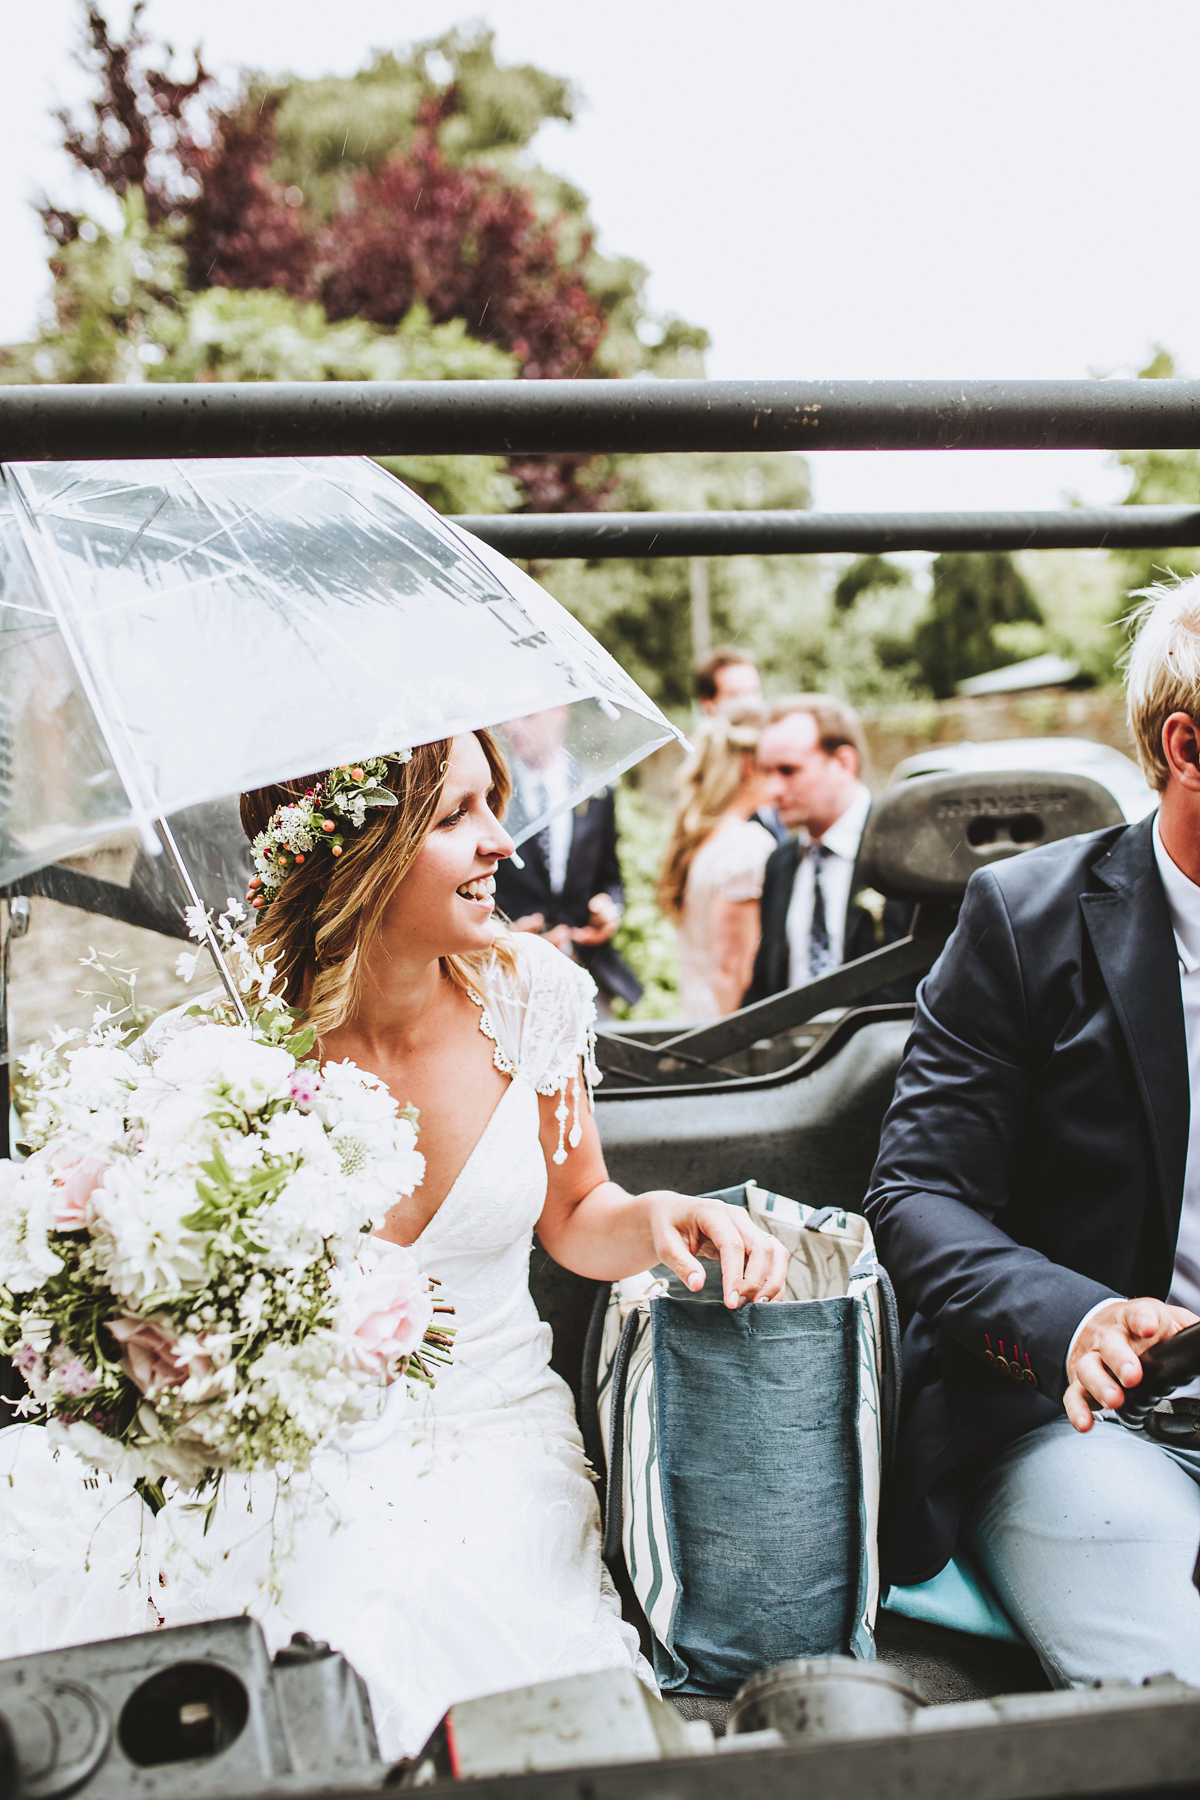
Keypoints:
pixel 187 1281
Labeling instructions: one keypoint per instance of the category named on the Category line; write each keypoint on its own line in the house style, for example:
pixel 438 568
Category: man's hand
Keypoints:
pixel 560 936
pixel 604 915
pixel 753 1264
pixel 1104 1358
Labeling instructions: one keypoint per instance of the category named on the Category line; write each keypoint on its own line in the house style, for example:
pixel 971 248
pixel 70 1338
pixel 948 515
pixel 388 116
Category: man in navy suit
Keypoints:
pixel 1037 1201
pixel 815 910
pixel 569 889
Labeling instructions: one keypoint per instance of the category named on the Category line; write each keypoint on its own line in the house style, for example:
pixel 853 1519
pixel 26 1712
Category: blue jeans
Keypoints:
pixel 1090 1540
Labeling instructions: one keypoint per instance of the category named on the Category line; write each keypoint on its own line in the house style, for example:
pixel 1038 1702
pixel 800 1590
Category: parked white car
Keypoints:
pixel 1058 755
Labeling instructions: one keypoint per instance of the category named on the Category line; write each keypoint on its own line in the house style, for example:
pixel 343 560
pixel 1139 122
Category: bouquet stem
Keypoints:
pixel 151 1492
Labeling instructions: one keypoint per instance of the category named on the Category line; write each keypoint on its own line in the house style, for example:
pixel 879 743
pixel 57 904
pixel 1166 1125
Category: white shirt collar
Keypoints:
pixel 1183 904
pixel 845 834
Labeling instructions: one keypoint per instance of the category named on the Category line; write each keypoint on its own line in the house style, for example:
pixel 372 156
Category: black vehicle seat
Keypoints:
pixel 811 1133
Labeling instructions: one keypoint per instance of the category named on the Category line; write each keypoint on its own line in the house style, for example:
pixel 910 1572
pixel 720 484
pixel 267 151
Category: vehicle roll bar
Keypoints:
pixel 552 536
pixel 60 423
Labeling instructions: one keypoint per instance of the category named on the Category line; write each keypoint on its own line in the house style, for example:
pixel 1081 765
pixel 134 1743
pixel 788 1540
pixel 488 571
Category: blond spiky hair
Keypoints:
pixel 1162 668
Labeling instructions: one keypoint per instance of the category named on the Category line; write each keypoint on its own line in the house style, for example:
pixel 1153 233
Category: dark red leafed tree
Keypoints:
pixel 139 130
pixel 462 238
pixel 243 229
pixel 467 242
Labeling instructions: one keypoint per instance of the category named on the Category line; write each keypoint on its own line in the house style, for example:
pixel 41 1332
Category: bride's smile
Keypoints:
pixel 444 906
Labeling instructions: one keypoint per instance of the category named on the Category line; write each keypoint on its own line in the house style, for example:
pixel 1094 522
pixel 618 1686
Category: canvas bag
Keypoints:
pixel 740 1453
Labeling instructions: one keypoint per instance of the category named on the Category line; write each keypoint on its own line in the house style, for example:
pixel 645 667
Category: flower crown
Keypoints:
pixel 296 830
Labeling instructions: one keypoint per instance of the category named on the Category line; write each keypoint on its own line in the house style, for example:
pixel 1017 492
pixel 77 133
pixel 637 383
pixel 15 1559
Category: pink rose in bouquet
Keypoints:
pixel 75 1179
pixel 152 1354
pixel 388 1309
pixel 75 1186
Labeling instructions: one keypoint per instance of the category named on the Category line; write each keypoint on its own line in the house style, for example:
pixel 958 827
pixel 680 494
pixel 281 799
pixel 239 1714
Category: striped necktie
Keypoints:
pixel 820 951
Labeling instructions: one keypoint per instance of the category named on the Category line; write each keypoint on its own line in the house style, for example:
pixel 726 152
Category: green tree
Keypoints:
pixel 975 595
pixel 1159 478
pixel 330 128
pixel 865 573
pixel 123 314
pixel 369 194
pixel 640 608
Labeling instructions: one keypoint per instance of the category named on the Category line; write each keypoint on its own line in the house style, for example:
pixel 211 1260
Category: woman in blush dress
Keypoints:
pixel 713 874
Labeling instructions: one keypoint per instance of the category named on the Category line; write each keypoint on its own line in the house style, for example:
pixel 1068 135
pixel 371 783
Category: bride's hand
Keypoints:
pixel 753 1264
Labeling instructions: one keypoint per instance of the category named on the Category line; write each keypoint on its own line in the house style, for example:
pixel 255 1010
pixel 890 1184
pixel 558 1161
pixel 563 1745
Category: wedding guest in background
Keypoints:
pixel 569 890
pixel 713 874
pixel 816 911
pixel 727 678
pixel 728 681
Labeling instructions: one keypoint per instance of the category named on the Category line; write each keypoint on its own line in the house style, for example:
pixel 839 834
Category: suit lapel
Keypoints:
pixel 775 928
pixel 534 856
pixel 1131 933
pixel 580 817
pixel 856 881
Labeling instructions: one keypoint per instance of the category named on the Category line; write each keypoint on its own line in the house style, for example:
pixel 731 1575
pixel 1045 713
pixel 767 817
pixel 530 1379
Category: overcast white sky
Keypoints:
pixel 832 187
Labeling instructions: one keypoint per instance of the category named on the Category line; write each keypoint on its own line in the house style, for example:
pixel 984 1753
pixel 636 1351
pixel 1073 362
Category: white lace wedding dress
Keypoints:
pixel 459 1557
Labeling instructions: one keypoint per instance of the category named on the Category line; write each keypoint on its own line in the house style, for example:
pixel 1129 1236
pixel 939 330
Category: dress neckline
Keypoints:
pixel 452 1190
pixel 506 1067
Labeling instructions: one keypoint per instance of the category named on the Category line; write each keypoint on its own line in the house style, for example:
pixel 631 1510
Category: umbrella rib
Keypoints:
pixel 146 802
pixel 140 532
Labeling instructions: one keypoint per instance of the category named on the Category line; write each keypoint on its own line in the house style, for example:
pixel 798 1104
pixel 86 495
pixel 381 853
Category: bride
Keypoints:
pixel 461 1555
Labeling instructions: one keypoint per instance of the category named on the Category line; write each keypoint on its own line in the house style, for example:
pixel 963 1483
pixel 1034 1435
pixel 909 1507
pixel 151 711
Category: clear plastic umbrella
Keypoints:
pixel 174 632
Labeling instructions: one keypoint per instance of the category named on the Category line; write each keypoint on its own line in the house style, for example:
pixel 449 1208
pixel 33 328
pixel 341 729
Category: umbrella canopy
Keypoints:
pixel 174 632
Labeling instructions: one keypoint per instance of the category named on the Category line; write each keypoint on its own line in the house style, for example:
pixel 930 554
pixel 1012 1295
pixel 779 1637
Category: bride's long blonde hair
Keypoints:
pixel 707 788
pixel 319 928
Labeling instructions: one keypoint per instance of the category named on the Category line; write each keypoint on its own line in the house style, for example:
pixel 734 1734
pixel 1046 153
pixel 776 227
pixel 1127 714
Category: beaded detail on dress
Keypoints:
pixel 542 1021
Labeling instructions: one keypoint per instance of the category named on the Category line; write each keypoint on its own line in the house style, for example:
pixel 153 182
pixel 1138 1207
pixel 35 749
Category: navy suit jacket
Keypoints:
pixel 1032 1161
pixel 863 932
pixel 592 868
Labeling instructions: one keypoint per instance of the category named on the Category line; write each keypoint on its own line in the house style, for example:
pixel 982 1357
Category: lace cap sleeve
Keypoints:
pixel 543 1023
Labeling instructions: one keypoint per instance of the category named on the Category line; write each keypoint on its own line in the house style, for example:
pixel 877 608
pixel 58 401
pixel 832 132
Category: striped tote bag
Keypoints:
pixel 740 1453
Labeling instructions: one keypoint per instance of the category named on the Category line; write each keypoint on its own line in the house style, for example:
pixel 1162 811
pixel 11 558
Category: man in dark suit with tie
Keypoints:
pixel 1037 1202
pixel 816 912
pixel 569 889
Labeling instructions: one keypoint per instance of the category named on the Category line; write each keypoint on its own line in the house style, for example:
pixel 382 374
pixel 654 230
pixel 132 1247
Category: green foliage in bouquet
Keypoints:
pixel 189 1283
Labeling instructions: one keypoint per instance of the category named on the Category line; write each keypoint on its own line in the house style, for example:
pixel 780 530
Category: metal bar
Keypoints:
pixel 71 887
pixel 780 1012
pixel 696 1055
pixel 547 536
pixel 643 1065
pixel 1137 1744
pixel 378 418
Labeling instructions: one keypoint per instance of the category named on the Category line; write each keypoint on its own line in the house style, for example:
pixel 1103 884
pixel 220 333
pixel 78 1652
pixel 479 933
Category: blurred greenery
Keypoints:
pixel 640 609
pixel 1159 478
pixel 646 939
pixel 326 129
pixel 973 595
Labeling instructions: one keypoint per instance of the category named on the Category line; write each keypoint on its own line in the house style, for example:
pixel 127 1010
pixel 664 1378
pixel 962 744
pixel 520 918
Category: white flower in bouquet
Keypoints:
pixel 141 1242
pixel 188 1281
pixel 26 1221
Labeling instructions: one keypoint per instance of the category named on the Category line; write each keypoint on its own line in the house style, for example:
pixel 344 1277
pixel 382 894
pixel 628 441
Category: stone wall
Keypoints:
pixel 894 732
